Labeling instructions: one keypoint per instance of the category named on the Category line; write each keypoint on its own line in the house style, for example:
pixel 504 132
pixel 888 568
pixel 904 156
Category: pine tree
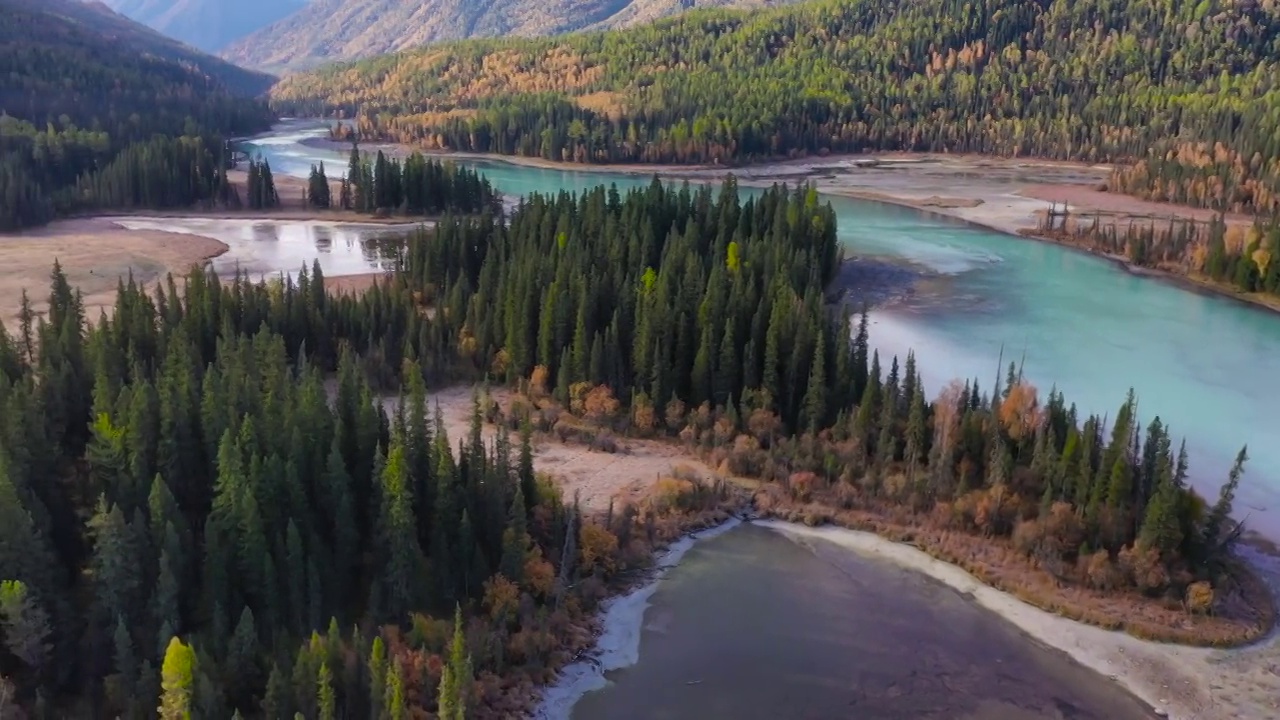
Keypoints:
pixel 116 574
pixel 326 699
pixel 515 541
pixel 377 678
pixel 815 394
pixel 402 563
pixel 1220 513
pixel 242 659
pixel 916 436
pixel 455 682
pixel 528 482
pixel 275 701
pixel 1161 526
pixel 125 660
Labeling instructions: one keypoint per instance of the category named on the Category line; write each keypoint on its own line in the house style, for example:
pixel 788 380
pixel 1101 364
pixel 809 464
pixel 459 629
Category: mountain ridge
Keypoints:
pixel 1183 95
pixel 102 19
pixel 338 30
pixel 205 24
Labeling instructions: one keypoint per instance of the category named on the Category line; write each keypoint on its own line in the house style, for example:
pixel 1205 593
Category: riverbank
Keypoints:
pixel 1007 195
pixel 618 626
pixel 95 254
pixel 1094 629
pixel 865 638
pixel 1184 683
pixel 1243 611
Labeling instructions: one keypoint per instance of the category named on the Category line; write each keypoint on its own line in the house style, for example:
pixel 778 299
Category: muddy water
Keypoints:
pixel 753 624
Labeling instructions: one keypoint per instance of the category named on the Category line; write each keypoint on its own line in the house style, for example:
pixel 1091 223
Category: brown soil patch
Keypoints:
pixel 597 477
pixel 354 284
pixel 95 254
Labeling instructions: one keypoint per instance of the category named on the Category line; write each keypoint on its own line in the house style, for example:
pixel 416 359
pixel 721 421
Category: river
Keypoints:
pixel 1204 364
pixel 754 624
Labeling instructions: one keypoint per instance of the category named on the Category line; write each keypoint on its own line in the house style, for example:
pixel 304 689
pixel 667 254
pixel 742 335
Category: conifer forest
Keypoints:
pixel 1182 93
pixel 231 499
pixel 90 123
pixel 226 499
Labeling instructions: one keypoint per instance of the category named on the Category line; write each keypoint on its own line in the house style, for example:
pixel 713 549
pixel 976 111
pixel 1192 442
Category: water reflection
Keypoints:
pixel 268 248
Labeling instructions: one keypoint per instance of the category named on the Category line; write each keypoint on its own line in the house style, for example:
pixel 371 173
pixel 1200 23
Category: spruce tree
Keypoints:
pixel 455 682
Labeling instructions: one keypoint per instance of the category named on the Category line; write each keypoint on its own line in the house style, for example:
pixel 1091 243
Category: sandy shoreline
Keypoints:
pixel 1182 683
pixel 95 254
pixel 1186 683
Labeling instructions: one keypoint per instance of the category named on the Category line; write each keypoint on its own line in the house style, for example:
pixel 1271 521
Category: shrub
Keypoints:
pixel 598 549
pixel 673 415
pixel 802 485
pixel 1100 572
pixel 1144 568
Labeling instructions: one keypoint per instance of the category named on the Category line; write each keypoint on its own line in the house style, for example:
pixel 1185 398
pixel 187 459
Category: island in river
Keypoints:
pixel 1009 195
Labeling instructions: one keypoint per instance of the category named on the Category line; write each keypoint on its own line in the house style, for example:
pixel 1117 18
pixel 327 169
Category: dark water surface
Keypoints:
pixel 753 624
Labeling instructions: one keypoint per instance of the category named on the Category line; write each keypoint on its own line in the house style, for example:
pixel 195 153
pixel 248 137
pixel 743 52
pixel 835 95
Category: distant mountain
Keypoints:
pixel 95 29
pixel 332 30
pixel 206 24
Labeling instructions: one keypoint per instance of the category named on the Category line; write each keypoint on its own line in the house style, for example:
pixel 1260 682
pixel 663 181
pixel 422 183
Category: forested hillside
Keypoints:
pixel 336 30
pixel 206 508
pixel 101 25
pixel 90 100
pixel 1185 91
pixel 206 24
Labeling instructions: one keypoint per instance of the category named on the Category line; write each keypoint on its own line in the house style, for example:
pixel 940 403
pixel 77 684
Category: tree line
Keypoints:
pixel 417 186
pixel 226 499
pixel 1243 258
pixel 1184 92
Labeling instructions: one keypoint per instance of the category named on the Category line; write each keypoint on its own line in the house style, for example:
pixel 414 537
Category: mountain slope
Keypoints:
pixel 332 30
pixel 206 24
pixel 1187 92
pixel 104 27
pixel 81 86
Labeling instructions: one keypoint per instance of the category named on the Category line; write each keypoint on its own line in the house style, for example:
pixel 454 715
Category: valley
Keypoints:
pixel 751 359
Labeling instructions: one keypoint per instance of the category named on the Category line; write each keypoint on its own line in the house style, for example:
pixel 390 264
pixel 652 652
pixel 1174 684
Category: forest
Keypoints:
pixel 225 499
pixel 86 118
pixel 696 323
pixel 418 186
pixel 1182 93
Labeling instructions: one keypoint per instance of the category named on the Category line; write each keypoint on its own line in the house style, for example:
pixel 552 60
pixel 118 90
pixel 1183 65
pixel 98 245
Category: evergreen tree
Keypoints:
pixel 455 682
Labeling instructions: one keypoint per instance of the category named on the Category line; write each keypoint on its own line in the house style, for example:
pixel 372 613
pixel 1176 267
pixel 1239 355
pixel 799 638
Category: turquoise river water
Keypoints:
pixel 1204 364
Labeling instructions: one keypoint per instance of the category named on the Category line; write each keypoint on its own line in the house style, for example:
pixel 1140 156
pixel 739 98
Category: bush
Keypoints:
pixel 604 442
pixel 802 485
pixel 1144 568
pixel 1100 572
